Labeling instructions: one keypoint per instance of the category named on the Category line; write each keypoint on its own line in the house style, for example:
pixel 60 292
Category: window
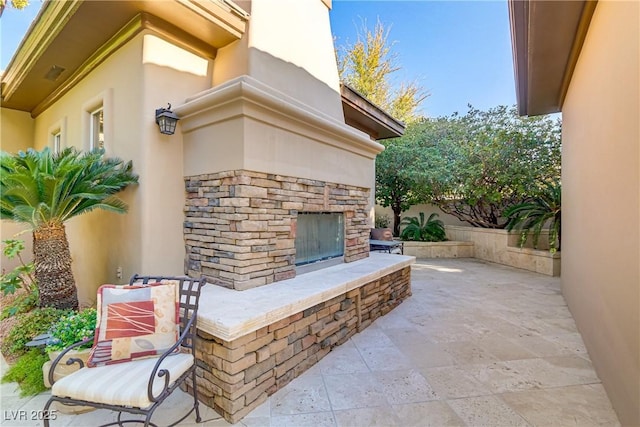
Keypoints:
pixel 56 142
pixel 97 122
pixel 319 236
pixel 96 129
pixel 57 134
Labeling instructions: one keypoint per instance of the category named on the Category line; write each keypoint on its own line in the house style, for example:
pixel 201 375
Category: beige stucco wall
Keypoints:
pixel 16 134
pixel 601 211
pixel 102 241
pixel 288 46
pixel 145 74
pixel 415 210
pixel 247 124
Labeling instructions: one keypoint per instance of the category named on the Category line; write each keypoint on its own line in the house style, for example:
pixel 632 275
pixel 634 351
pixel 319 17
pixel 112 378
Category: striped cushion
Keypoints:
pixel 121 383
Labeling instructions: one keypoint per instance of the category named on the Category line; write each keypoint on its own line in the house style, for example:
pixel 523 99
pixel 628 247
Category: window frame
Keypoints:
pixel 96 118
pixel 57 135
pixel 101 102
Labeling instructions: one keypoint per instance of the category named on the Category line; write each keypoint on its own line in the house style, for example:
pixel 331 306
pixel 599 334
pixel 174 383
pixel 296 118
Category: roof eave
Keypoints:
pixel 361 113
pixel 546 38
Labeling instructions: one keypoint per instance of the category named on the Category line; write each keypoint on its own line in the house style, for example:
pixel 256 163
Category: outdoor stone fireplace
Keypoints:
pixel 262 167
pixel 240 226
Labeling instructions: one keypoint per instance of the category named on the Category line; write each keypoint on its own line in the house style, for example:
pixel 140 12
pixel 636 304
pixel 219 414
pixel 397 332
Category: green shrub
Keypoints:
pixel 418 230
pixel 20 277
pixel 73 328
pixel 27 372
pixel 531 216
pixel 22 303
pixel 29 325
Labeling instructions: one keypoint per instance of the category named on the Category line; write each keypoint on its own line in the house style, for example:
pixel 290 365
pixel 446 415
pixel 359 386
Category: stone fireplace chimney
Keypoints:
pixel 268 143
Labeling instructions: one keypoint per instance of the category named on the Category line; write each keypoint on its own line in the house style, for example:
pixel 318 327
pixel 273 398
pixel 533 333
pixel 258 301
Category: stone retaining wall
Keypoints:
pixel 439 249
pixel 235 377
pixel 240 225
pixel 500 246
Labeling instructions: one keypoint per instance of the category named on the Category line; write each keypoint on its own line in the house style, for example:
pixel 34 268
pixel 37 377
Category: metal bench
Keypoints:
pixel 137 387
pixel 386 246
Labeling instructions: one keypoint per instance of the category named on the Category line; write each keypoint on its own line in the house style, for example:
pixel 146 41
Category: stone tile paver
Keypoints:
pixel 476 344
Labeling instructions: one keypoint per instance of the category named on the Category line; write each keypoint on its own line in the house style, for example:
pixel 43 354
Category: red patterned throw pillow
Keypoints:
pixel 135 322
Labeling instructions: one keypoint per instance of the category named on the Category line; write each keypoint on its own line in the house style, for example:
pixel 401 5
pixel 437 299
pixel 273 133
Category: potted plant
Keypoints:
pixel 70 329
pixel 381 230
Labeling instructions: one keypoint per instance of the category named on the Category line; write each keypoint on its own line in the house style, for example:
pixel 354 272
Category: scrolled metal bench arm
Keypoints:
pixel 163 373
pixel 69 362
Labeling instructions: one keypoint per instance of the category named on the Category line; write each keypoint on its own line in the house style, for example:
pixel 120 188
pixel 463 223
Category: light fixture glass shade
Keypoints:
pixel 166 120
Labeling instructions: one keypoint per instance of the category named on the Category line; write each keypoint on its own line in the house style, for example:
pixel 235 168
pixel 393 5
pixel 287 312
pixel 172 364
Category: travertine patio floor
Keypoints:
pixel 477 344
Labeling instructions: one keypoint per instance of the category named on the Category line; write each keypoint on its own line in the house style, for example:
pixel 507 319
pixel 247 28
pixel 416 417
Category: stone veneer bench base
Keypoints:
pixel 252 343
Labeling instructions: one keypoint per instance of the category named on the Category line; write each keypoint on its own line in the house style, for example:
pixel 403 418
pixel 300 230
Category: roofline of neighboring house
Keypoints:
pixel 546 39
pixel 361 113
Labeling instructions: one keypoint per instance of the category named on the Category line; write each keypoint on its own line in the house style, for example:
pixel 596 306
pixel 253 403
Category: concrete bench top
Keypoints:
pixel 229 314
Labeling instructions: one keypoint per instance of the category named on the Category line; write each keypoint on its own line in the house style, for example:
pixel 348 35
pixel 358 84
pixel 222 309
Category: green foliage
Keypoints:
pixel 27 372
pixel 367 65
pixel 22 303
pixel 39 187
pixel 404 166
pixel 382 221
pixel 17 4
pixel 20 277
pixel 71 329
pixel 27 326
pixel 531 216
pixel 45 190
pixel 17 278
pixel 475 166
pixel 418 230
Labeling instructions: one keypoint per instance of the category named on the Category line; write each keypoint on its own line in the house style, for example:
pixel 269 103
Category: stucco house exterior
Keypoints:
pixel 256 87
pixel 271 167
pixel 581 58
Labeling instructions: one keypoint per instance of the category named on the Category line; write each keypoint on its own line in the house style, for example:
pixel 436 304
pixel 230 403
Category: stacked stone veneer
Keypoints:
pixel 240 225
pixel 235 377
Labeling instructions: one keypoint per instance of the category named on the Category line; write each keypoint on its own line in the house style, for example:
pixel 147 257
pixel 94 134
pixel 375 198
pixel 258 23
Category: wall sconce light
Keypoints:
pixel 166 120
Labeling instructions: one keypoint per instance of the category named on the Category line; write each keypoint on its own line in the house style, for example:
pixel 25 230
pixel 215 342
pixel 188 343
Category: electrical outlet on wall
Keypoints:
pixel 119 272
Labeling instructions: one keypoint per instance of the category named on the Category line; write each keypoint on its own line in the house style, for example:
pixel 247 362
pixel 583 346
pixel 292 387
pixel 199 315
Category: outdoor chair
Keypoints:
pixel 144 348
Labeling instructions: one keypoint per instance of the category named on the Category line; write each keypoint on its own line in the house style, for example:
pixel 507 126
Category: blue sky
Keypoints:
pixel 459 51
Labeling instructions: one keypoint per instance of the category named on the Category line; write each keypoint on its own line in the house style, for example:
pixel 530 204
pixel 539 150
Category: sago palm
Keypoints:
pixel 534 214
pixel 418 230
pixel 44 190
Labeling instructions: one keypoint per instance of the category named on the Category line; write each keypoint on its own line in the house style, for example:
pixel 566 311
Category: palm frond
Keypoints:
pixel 531 216
pixel 431 230
pixel 38 187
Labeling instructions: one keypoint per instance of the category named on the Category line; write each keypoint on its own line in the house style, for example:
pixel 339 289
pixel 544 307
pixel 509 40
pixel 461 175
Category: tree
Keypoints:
pixel 18 4
pixel 395 187
pixel 477 165
pixel 367 66
pixel 422 155
pixel 45 190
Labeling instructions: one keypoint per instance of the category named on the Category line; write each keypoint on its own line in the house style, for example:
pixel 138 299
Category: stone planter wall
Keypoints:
pixel 439 249
pixel 500 246
pixel 240 225
pixel 234 377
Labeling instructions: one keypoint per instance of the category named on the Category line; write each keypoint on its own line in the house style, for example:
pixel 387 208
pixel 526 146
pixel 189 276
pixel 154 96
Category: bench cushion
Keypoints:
pixel 122 383
pixel 135 322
